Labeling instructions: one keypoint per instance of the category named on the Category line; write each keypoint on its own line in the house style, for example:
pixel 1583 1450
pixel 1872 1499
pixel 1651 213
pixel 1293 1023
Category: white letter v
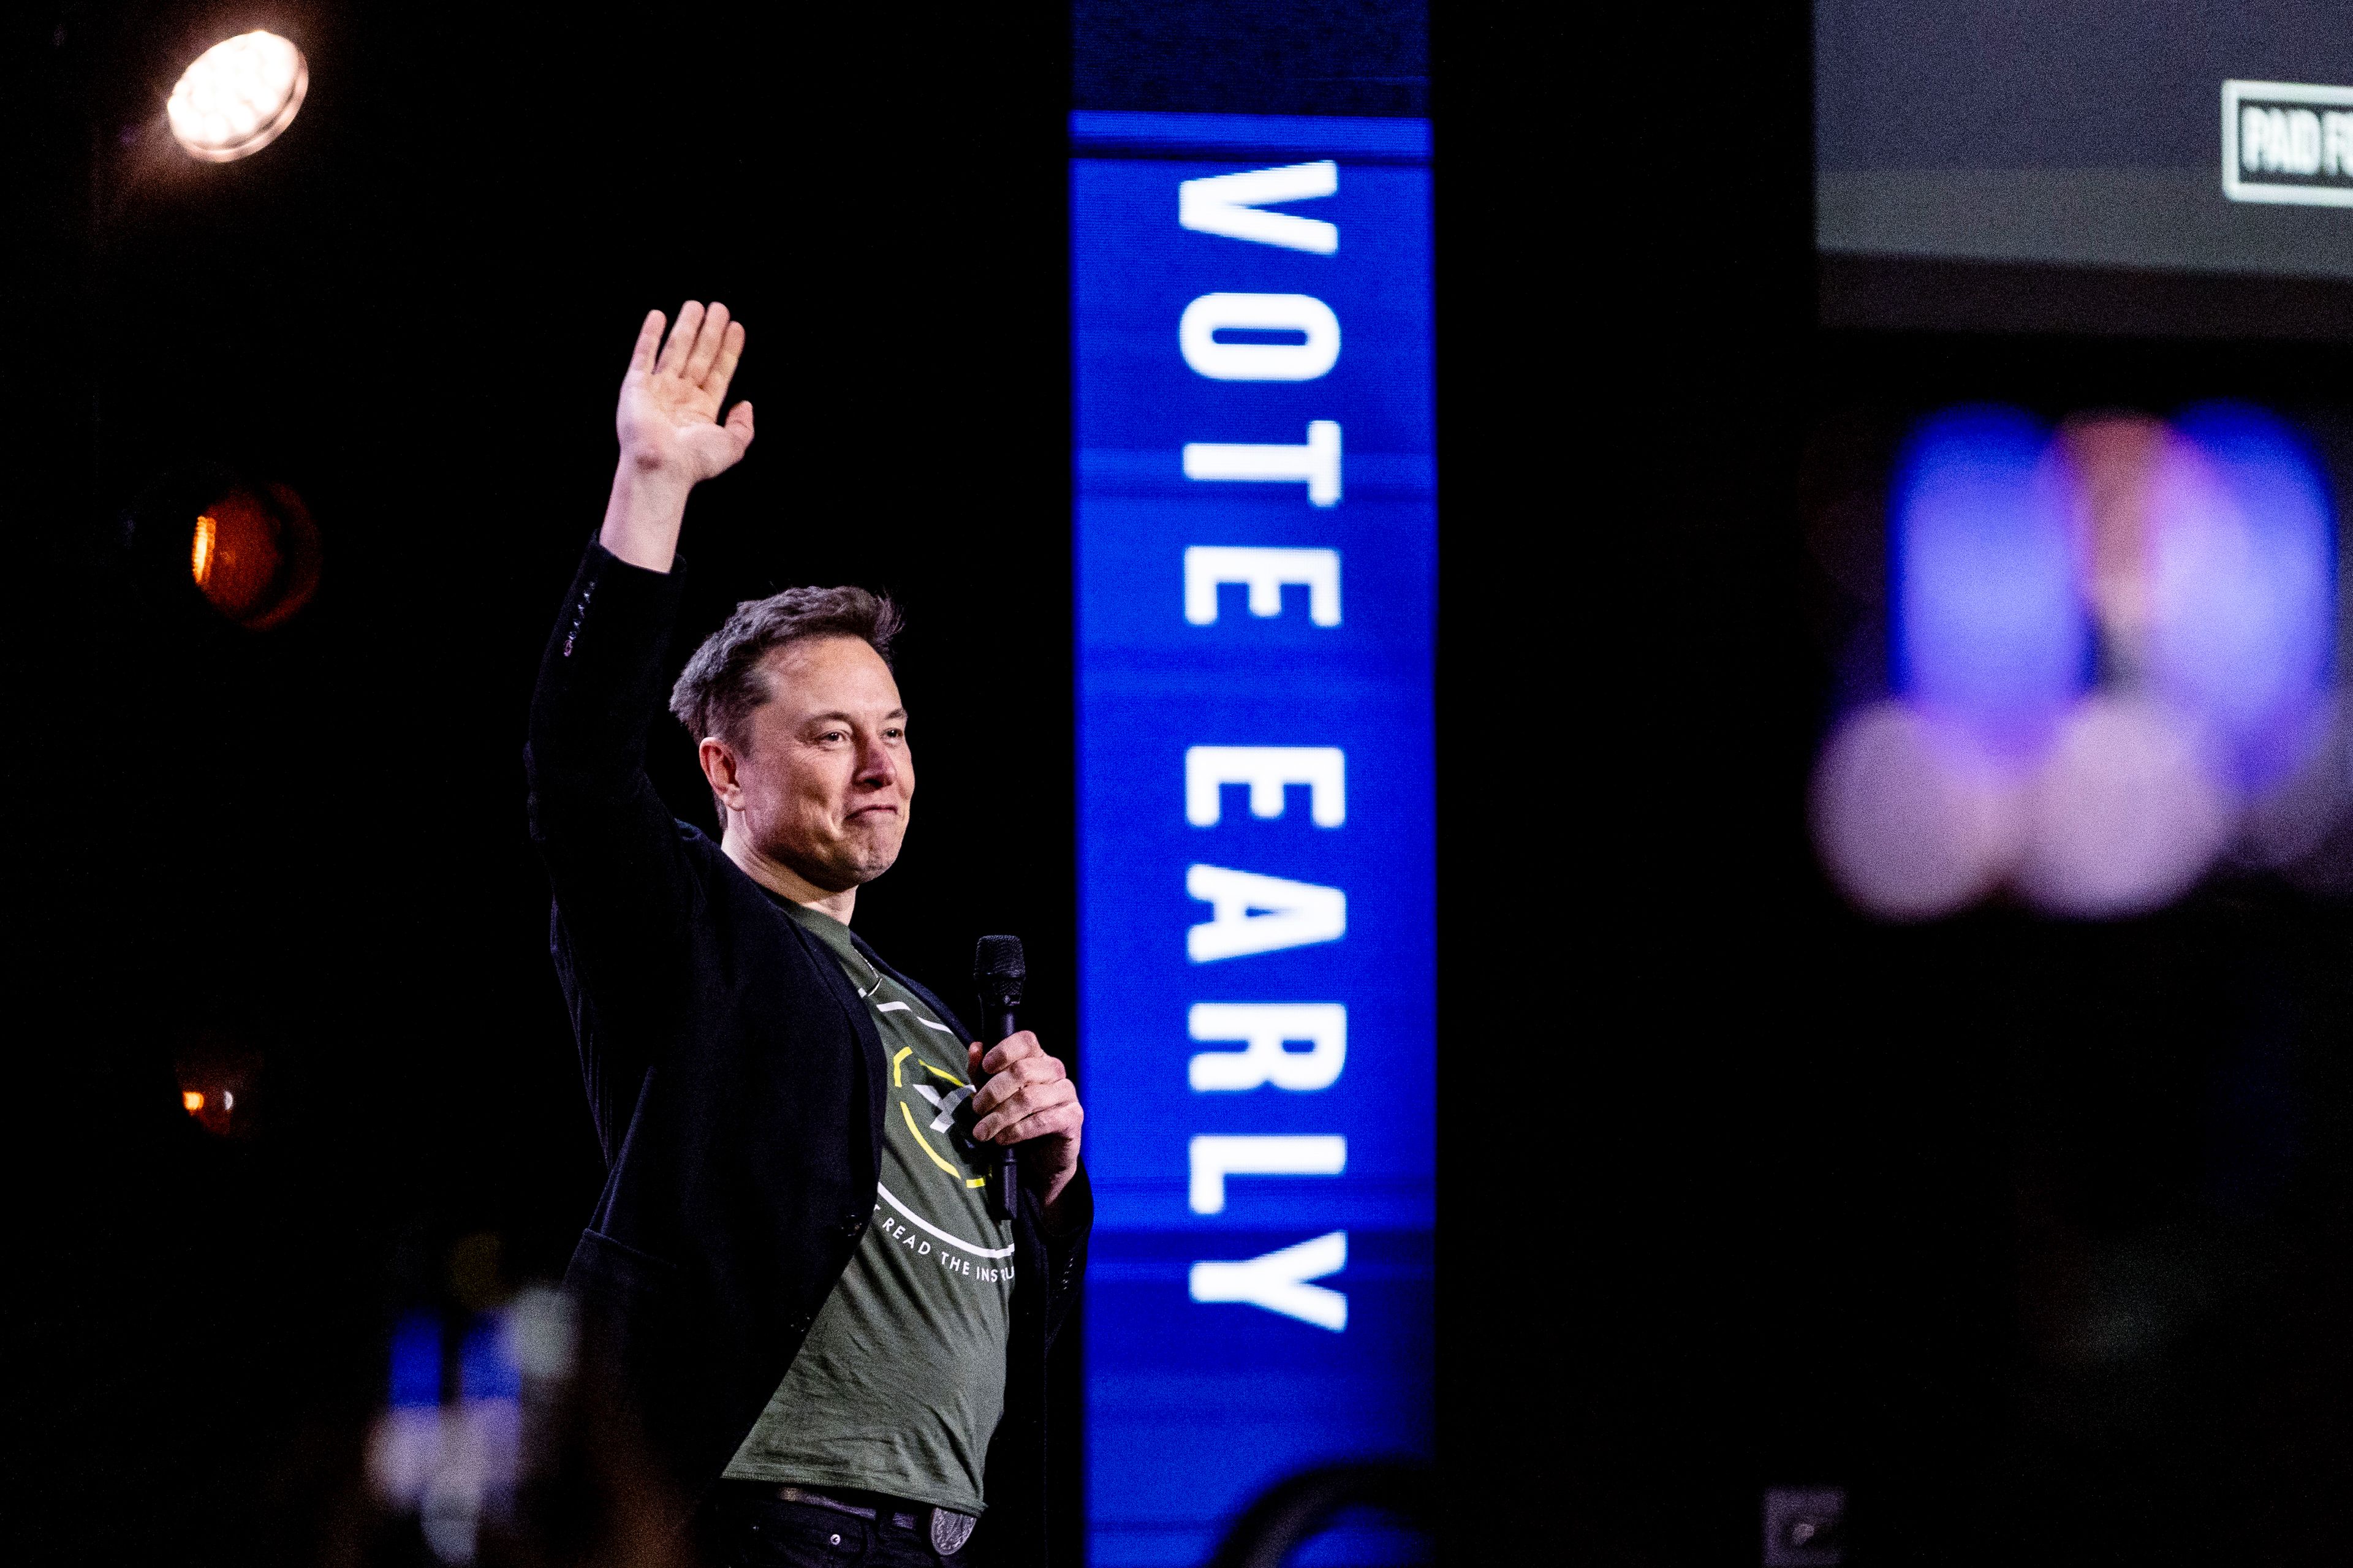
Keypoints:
pixel 1229 203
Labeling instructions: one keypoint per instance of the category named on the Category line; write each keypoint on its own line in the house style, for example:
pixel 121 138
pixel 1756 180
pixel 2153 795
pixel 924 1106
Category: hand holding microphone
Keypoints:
pixel 1027 1100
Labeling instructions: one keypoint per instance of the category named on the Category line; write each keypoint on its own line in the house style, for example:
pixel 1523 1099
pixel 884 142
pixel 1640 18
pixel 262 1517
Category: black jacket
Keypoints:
pixel 736 1082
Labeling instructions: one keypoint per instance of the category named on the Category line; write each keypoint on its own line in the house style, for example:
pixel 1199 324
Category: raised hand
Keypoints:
pixel 669 418
pixel 671 435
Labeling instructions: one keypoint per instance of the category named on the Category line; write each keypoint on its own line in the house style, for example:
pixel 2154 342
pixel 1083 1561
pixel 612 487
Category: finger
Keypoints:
pixel 707 339
pixel 1003 1085
pixel 1008 1081
pixel 682 339
pixel 739 420
pixel 722 369
pixel 1063 1120
pixel 642 353
pixel 1012 1048
pixel 993 1093
pixel 1032 1069
pixel 1020 1108
pixel 1009 1109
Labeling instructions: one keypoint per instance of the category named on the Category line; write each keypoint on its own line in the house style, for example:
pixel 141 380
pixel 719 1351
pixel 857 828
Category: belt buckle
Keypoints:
pixel 950 1531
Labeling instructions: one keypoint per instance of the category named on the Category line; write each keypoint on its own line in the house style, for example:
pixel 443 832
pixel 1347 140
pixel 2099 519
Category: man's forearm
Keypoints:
pixel 643 518
pixel 669 428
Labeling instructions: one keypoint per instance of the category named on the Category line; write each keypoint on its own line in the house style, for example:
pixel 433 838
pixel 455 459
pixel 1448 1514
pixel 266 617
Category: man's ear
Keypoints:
pixel 718 760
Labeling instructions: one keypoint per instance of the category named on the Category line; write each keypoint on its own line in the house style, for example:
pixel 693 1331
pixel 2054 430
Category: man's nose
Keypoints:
pixel 876 767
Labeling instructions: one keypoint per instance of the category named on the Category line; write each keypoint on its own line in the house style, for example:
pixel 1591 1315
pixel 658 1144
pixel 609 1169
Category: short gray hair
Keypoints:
pixel 720 685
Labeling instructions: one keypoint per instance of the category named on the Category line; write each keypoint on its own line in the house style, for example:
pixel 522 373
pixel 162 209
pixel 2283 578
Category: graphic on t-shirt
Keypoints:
pixel 934 1108
pixel 899 1381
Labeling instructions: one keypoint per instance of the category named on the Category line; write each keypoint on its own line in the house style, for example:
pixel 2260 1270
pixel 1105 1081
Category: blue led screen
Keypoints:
pixel 1256 558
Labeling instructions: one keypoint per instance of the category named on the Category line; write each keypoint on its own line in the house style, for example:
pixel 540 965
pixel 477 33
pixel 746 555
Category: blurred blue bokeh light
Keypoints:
pixel 1990 631
pixel 416 1361
pixel 485 1369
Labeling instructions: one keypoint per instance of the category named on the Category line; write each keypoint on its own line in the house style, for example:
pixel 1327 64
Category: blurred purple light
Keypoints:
pixel 2198 557
pixel 2241 586
pixel 454 1464
pixel 1910 817
pixel 1989 631
pixel 2127 811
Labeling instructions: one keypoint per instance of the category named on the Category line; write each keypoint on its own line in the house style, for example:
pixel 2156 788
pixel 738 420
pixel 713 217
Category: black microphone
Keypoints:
pixel 998 972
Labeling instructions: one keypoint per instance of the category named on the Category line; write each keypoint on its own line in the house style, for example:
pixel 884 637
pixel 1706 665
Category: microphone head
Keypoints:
pixel 999 968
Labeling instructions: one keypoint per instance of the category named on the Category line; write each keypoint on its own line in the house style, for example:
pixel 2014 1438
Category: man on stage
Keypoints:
pixel 825 1336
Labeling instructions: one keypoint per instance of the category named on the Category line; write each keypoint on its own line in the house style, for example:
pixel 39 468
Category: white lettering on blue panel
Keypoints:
pixel 1229 204
pixel 1313 355
pixel 1265 1030
pixel 1267 770
pixel 1264 573
pixel 1253 913
pixel 1316 463
pixel 1278 1281
pixel 1219 362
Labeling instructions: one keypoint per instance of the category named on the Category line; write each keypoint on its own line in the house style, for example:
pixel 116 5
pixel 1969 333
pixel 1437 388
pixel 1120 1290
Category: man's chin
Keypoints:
pixel 867 871
pixel 852 867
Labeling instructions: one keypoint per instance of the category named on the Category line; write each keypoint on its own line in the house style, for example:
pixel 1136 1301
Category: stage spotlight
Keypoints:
pixel 224 548
pixel 238 95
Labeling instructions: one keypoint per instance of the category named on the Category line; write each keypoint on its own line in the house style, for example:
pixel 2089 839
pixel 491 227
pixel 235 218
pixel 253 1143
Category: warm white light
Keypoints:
pixel 237 97
pixel 200 548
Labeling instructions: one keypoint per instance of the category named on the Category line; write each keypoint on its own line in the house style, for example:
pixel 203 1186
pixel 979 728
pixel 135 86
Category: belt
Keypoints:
pixel 947 1529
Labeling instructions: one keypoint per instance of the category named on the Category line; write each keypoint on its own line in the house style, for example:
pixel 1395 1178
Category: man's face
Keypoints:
pixel 825 778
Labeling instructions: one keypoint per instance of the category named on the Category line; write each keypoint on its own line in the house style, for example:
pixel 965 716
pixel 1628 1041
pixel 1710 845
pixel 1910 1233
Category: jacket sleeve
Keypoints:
pixel 1066 1254
pixel 625 893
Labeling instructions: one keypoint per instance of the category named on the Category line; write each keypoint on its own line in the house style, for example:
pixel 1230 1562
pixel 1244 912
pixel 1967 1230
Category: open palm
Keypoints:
pixel 668 417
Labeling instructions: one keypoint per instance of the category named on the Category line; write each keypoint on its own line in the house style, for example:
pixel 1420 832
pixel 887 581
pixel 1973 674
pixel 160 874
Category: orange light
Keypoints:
pixel 219 1077
pixel 200 554
pixel 254 555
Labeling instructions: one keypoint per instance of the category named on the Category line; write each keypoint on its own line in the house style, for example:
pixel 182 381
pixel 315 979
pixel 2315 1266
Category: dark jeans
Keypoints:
pixel 754 1532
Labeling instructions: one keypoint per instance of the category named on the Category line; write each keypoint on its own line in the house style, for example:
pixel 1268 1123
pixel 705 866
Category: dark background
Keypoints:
pixel 307 845
pixel 2031 1235
pixel 414 309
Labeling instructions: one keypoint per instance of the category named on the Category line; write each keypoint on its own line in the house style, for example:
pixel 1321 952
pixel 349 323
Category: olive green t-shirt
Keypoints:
pixel 901 1382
